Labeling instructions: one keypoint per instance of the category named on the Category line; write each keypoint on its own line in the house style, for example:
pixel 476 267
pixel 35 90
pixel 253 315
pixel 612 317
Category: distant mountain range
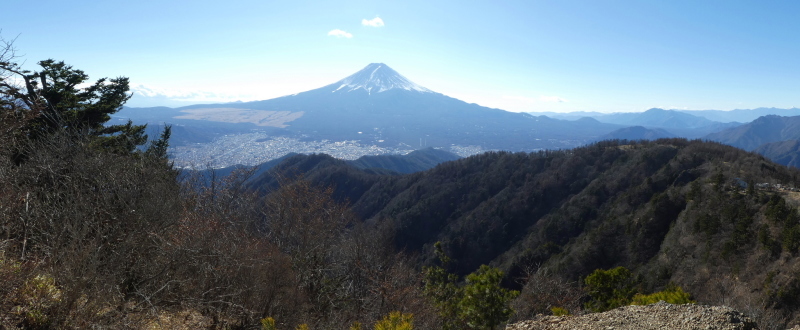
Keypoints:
pixel 376 109
pixel 743 115
pixel 657 118
pixel 763 130
pixel 415 161
pixel 382 112
pixel 634 133
pixel 379 106
pixel 723 116
pixel 669 122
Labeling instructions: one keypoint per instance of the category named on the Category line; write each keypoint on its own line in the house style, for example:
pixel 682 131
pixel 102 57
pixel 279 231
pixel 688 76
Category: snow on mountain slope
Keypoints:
pixel 376 77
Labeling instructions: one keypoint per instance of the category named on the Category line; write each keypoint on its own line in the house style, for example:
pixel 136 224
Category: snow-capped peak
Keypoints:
pixel 377 77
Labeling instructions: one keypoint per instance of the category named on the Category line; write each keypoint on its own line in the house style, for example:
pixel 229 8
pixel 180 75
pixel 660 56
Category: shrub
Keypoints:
pixel 673 294
pixel 558 311
pixel 485 303
pixel 38 295
pixel 545 290
pixel 609 289
pixel 396 321
pixel 481 304
pixel 268 323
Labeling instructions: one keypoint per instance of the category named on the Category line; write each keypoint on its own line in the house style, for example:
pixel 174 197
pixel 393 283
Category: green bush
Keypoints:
pixel 673 294
pixel 480 304
pixel 441 288
pixel 559 311
pixel 609 289
pixel 396 321
pixel 268 323
pixel 485 303
pixel 38 295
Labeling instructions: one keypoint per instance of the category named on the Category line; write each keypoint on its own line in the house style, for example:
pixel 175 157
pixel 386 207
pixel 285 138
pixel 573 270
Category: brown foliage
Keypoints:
pixel 544 290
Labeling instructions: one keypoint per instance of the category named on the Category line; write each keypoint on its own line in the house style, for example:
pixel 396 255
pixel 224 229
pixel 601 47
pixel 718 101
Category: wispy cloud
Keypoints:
pixel 145 95
pixel 524 99
pixel 340 34
pixel 151 91
pixel 552 99
pixel 375 22
pixel 542 98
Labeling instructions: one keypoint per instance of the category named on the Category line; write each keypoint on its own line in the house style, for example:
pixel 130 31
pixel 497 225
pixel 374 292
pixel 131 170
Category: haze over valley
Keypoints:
pixel 377 111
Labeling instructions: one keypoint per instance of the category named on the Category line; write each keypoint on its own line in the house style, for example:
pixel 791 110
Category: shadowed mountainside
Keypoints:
pixel 763 130
pixel 415 161
pixel 665 209
pixel 784 152
pixel 637 133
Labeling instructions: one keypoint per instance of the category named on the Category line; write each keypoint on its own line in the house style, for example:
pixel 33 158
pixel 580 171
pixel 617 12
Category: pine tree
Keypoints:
pixel 56 99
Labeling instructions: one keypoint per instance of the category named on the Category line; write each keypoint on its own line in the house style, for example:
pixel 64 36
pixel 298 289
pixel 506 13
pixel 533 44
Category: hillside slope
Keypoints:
pixel 637 133
pixel 415 161
pixel 763 130
pixel 698 214
pixel 784 152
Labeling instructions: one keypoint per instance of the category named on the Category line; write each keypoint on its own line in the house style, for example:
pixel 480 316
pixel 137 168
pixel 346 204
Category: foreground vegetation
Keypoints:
pixel 716 221
pixel 98 229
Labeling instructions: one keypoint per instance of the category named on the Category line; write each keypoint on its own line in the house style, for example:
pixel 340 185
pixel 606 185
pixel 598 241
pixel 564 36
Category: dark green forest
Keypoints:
pixel 98 229
pixel 700 215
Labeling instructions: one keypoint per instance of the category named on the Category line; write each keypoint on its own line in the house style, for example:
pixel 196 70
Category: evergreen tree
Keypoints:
pixel 609 289
pixel 56 99
pixel 479 304
pixel 484 304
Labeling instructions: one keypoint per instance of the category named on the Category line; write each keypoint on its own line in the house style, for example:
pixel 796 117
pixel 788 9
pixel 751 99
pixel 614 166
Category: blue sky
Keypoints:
pixel 515 55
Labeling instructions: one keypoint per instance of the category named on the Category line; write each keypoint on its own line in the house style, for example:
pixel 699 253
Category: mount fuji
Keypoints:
pixel 377 77
pixel 378 106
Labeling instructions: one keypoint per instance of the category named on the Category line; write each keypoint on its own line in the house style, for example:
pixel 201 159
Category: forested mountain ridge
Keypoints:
pixel 415 161
pixel 660 118
pixel 672 210
pixel 766 129
pixel 637 133
pixel 783 152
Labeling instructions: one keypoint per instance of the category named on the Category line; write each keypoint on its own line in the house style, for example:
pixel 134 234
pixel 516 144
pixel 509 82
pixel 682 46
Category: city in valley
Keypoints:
pixel 252 149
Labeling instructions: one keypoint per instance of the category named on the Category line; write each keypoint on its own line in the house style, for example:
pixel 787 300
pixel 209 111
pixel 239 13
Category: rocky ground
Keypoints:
pixel 656 316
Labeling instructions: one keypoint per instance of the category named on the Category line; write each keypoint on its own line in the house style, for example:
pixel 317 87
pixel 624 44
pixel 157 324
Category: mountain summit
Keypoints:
pixel 376 77
pixel 377 106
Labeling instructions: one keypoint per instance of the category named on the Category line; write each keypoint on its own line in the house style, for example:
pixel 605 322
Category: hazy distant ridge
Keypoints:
pixel 763 130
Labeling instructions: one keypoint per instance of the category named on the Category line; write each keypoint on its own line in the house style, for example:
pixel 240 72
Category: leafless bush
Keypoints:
pixel 380 280
pixel 123 244
pixel 543 291
pixel 96 221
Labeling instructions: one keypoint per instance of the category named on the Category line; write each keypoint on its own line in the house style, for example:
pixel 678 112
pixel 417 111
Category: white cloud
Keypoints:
pixel 375 22
pixel 151 91
pixel 552 99
pixel 525 99
pixel 146 96
pixel 340 34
